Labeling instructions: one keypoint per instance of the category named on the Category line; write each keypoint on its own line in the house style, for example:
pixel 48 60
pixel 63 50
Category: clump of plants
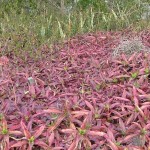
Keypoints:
pixel 79 99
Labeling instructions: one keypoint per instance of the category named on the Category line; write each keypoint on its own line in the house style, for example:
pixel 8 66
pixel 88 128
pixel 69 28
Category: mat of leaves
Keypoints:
pixel 80 99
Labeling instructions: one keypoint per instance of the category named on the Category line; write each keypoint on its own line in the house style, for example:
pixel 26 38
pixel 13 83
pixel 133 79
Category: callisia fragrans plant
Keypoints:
pixel 79 98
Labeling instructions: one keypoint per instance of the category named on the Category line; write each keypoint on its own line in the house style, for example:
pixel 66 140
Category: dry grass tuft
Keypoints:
pixel 130 46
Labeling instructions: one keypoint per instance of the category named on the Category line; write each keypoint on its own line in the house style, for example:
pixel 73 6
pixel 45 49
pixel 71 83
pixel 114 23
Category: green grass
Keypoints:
pixel 26 25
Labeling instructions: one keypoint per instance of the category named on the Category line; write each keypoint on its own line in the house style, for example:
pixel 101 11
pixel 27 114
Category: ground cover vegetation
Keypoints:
pixel 74 75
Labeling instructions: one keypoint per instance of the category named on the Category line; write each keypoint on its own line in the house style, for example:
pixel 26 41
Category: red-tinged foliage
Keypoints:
pixel 3 60
pixel 30 138
pixel 79 97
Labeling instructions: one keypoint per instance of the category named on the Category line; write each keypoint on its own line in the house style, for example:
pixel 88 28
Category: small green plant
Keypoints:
pixel 82 131
pixel 4 131
pixel 118 143
pixel 134 75
pixel 26 118
pixel 31 139
pixel 147 70
pixel 136 109
pixel 107 107
pixel 123 133
pixel 98 87
pixel 115 80
pixel 65 68
pixel 97 116
pixel 143 132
